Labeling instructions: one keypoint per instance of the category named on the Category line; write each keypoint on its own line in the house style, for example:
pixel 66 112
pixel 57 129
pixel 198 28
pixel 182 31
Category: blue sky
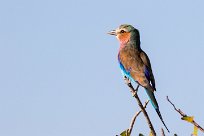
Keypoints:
pixel 59 74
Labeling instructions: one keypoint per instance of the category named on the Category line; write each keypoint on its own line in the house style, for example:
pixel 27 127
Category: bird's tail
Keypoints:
pixel 155 105
pixel 160 116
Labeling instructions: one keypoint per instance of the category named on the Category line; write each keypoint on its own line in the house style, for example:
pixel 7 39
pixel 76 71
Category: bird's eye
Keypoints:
pixel 122 31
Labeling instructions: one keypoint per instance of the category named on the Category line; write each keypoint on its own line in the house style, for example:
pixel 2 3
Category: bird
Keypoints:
pixel 134 62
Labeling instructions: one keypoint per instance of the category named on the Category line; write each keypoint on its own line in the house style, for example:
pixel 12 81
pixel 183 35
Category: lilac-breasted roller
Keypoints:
pixel 134 62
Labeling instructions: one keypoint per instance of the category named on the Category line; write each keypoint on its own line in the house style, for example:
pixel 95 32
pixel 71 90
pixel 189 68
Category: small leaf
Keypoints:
pixel 150 134
pixel 188 118
pixel 195 131
pixel 141 134
pixel 125 133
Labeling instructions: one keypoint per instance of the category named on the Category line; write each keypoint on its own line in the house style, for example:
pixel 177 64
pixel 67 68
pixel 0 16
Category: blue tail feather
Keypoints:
pixel 160 116
pixel 152 99
pixel 155 105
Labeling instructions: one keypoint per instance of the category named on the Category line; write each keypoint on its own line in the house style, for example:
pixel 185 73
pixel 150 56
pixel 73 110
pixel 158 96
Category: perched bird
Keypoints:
pixel 134 62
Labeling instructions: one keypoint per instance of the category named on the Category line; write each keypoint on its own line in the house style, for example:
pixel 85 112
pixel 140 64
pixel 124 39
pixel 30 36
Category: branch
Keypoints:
pixel 163 134
pixel 134 118
pixel 185 115
pixel 134 93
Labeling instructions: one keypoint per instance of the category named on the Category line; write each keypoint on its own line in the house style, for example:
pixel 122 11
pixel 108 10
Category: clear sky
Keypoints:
pixel 59 74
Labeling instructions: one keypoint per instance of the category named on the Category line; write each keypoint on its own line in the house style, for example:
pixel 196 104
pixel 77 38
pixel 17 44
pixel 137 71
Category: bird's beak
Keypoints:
pixel 113 32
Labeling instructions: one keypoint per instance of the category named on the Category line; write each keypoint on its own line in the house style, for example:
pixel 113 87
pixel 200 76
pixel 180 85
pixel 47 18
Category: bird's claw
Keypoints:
pixel 136 90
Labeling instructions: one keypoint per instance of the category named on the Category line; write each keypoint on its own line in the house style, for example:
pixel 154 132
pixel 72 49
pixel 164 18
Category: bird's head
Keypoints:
pixel 125 33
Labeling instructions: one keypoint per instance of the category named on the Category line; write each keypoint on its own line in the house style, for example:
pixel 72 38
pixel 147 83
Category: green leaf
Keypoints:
pixel 188 118
pixel 150 134
pixel 195 131
pixel 125 133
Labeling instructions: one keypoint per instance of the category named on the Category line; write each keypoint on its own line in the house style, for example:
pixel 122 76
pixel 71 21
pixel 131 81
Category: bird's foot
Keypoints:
pixel 136 90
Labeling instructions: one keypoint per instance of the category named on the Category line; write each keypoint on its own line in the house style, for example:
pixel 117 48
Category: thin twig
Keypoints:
pixel 134 118
pixel 178 110
pixel 184 115
pixel 134 93
pixel 162 130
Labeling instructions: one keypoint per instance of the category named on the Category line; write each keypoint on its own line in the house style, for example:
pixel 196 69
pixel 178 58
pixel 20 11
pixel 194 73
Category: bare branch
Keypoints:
pixel 178 110
pixel 162 130
pixel 184 115
pixel 134 93
pixel 134 118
